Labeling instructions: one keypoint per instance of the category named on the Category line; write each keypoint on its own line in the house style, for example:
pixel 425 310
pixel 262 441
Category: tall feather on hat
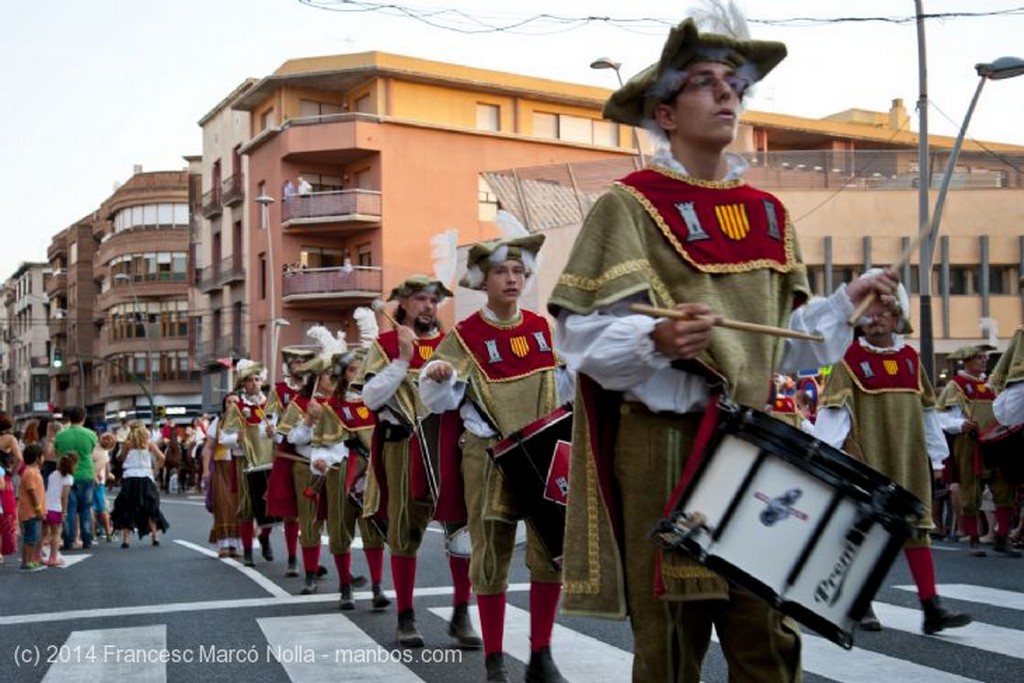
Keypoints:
pixel 330 347
pixel 444 251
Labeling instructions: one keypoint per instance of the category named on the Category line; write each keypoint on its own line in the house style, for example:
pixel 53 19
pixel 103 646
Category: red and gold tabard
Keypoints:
pixel 876 372
pixel 973 388
pixel 280 396
pixel 716 229
pixel 422 350
pixel 251 410
pixel 506 353
pixel 354 414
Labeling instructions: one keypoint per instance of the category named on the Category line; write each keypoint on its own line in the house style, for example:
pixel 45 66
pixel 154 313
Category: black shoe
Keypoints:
pixel 357 580
pixel 938 618
pixel 346 602
pixel 870 622
pixel 310 585
pixel 495 666
pixel 380 601
pixel 293 567
pixel 542 669
pixel 976 549
pixel 1002 546
pixel 321 571
pixel 408 635
pixel 247 558
pixel 461 629
pixel 265 549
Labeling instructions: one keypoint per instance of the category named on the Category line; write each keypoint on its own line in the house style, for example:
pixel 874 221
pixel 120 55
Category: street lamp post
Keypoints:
pixel 1000 69
pixel 265 200
pixel 609 63
pixel 124 277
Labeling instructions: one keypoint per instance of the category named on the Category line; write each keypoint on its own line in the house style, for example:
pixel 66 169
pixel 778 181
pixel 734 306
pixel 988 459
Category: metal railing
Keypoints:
pixel 233 189
pixel 359 281
pixel 219 274
pixel 212 202
pixel 337 204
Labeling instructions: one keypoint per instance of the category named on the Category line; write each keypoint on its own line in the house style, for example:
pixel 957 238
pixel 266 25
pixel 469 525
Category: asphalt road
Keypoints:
pixel 177 613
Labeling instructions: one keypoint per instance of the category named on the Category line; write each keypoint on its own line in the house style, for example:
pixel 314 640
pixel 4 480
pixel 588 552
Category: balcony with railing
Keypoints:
pixel 233 189
pixel 57 326
pixel 57 283
pixel 322 211
pixel 213 202
pixel 354 285
pixel 208 351
pixel 225 272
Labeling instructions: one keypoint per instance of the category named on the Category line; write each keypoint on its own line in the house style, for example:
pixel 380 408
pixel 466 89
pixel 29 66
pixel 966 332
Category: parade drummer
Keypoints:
pixel 1008 379
pixel 686 232
pixel 878 405
pixel 342 440
pixel 281 497
pixel 498 368
pixel 965 406
pixel 398 471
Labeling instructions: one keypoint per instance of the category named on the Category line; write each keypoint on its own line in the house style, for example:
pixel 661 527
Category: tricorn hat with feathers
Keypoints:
pixel 330 346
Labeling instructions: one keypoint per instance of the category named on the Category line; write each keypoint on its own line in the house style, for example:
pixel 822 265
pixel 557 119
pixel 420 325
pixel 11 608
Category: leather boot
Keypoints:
pixel 309 587
pixel 938 618
pixel 408 635
pixel 247 558
pixel 346 603
pixel 1002 546
pixel 265 549
pixel 542 669
pixel 380 601
pixel 293 567
pixel 357 580
pixel 976 549
pixel 461 629
pixel 494 664
pixel 870 622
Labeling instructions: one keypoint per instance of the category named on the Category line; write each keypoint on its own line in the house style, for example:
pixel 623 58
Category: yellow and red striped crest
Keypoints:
pixel 363 412
pixel 425 351
pixel 891 366
pixel 520 346
pixel 732 219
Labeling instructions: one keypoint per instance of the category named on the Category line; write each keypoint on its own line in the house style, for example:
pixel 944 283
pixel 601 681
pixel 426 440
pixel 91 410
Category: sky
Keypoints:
pixel 93 88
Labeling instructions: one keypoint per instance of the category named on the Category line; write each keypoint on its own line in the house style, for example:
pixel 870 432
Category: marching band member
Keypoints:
pixel 688 233
pixel 254 468
pixel 1008 379
pixel 966 411
pixel 397 468
pixel 343 438
pixel 879 406
pixel 281 499
pixel 499 369
pixel 220 478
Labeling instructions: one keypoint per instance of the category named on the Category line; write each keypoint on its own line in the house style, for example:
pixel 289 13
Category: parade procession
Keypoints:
pixel 669 400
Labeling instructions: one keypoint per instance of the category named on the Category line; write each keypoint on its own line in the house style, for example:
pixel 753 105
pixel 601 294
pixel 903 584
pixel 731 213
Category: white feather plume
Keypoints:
pixel 329 344
pixel 990 330
pixel 444 252
pixel 509 225
pixel 724 18
pixel 366 321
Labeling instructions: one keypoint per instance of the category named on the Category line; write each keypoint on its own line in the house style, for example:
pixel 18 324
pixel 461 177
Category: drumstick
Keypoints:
pixel 870 297
pixel 378 307
pixel 726 322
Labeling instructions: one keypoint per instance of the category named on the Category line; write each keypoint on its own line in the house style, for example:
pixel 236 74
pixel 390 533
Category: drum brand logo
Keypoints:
pixel 830 588
pixel 780 507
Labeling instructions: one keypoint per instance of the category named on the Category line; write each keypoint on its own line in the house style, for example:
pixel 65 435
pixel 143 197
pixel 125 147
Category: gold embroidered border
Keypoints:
pixel 744 267
pixel 894 390
pixel 592 584
pixel 511 378
pixel 661 292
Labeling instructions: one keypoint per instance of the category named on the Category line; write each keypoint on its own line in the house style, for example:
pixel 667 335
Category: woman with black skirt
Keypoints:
pixel 138 503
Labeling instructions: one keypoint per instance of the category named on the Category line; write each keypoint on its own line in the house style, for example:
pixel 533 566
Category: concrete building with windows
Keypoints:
pixel 393 149
pixel 141 322
pixel 27 350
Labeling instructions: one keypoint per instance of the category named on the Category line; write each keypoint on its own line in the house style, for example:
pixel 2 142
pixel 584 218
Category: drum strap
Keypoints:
pixel 708 425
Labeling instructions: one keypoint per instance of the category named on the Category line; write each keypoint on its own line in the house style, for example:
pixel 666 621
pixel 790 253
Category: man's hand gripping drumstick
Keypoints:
pixel 687 312
pixel 406 337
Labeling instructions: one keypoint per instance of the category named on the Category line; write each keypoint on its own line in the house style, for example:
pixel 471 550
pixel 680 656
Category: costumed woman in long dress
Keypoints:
pixel 220 477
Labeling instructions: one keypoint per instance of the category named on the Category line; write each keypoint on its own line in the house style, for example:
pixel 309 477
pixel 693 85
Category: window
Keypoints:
pixel 606 133
pixel 319 257
pixel 263 275
pixel 1001 279
pixel 575 129
pixel 545 125
pixel 267 119
pixel 164 215
pixel 363 104
pixel 488 116
pixel 73 253
pixel 309 108
pixel 963 280
pixel 364 254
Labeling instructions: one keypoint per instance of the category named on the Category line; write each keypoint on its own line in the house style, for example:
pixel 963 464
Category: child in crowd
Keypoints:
pixel 58 486
pixel 101 464
pixel 137 505
pixel 31 509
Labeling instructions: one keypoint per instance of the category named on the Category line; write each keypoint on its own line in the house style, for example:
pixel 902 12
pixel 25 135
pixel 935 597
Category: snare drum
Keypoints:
pixel 799 523
pixel 1003 447
pixel 535 465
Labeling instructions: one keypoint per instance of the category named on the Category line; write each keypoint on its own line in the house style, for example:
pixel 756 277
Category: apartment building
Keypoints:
pixel 392 149
pixel 27 352
pixel 72 292
pixel 141 359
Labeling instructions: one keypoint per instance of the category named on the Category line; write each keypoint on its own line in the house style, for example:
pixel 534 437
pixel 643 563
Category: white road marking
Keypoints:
pixel 112 654
pixel 264 583
pixel 980 594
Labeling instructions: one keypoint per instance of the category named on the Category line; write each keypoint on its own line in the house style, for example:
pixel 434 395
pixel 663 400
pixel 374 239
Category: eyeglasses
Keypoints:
pixel 711 83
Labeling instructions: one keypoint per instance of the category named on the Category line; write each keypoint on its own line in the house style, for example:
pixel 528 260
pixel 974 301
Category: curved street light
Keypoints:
pixel 609 63
pixel 124 277
pixel 265 200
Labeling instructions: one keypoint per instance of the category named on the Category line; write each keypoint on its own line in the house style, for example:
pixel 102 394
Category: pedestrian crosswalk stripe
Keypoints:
pixel 330 647
pixel 583 658
pixel 263 581
pixel 979 594
pixel 112 654
pixel 984 637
